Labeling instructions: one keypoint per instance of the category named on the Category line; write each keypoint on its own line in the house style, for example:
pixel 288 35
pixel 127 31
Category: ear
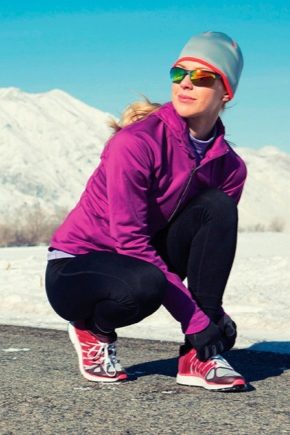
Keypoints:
pixel 226 98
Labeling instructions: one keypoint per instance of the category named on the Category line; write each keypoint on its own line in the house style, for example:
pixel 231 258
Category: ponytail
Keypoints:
pixel 134 112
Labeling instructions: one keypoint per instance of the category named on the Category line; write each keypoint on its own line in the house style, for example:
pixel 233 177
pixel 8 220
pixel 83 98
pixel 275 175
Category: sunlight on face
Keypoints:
pixel 195 101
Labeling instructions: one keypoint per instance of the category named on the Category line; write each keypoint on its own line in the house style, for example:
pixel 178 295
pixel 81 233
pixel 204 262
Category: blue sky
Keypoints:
pixel 110 54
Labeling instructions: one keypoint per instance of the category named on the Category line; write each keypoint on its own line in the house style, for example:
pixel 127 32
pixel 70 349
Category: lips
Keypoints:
pixel 185 98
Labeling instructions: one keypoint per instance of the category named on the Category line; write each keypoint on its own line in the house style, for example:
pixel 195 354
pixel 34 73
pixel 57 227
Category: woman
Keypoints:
pixel 161 206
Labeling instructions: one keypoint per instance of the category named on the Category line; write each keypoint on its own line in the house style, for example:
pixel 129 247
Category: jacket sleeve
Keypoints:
pixel 236 175
pixel 129 168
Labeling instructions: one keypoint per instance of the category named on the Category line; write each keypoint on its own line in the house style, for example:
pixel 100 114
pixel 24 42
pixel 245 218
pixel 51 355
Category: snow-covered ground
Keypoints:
pixel 257 294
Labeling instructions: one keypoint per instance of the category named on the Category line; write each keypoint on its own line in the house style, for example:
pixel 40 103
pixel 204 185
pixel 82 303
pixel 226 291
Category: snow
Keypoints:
pixel 53 142
pixel 265 200
pixel 257 294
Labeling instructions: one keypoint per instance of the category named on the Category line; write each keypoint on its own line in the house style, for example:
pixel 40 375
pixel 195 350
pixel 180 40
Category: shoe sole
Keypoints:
pixel 194 381
pixel 76 344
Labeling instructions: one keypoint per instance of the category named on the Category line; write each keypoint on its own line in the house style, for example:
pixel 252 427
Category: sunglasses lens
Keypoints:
pixel 200 77
pixel 177 74
pixel 204 81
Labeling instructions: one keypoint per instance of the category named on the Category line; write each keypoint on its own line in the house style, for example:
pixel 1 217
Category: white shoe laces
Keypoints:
pixel 104 355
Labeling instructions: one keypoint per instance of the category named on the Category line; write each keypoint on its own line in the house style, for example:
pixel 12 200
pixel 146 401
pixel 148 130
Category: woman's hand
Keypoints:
pixel 228 329
pixel 208 343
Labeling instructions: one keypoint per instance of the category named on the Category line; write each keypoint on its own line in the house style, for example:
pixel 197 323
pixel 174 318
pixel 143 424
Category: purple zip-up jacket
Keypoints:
pixel 146 174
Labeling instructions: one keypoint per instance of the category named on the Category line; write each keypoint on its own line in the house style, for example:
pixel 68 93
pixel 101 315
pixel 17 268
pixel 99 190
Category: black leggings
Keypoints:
pixel 115 290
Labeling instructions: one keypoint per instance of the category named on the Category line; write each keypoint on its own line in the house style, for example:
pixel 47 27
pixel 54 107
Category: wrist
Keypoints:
pixel 210 305
pixel 198 322
pixel 214 314
pixel 206 335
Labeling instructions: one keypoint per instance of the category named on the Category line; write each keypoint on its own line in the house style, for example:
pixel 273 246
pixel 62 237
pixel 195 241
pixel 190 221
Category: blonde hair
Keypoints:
pixel 134 112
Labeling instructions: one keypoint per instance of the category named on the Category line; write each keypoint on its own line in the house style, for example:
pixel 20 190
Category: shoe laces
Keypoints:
pixel 104 355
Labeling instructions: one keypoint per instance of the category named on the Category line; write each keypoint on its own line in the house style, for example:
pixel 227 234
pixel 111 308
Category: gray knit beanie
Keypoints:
pixel 219 52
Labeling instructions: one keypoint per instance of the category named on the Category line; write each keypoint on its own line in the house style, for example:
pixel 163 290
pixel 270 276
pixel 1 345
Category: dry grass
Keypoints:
pixel 34 227
pixel 277 225
pixel 29 228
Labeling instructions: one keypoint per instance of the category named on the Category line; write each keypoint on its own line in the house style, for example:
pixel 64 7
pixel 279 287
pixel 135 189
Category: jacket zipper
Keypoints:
pixel 184 192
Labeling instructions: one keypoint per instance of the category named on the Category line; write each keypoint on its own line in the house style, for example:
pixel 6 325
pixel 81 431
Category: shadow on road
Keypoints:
pixel 255 366
pixel 282 347
pixel 166 367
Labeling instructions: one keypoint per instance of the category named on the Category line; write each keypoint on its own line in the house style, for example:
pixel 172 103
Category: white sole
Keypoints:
pixel 76 344
pixel 195 381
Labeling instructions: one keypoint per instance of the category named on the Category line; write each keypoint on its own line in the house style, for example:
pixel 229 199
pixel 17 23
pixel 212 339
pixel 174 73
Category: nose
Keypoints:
pixel 186 83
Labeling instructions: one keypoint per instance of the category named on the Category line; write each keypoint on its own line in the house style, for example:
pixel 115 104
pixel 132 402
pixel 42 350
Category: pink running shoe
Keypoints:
pixel 97 360
pixel 213 374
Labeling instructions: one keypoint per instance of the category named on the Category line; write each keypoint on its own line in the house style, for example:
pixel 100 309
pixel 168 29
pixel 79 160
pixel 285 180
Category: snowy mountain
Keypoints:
pixel 51 142
pixel 265 201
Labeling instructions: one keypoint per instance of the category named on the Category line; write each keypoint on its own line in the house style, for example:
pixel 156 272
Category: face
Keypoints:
pixel 192 101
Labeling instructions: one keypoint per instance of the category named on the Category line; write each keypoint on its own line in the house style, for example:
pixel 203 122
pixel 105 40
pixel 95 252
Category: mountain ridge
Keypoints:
pixel 51 142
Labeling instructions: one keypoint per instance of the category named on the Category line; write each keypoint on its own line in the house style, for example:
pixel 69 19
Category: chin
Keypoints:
pixel 185 111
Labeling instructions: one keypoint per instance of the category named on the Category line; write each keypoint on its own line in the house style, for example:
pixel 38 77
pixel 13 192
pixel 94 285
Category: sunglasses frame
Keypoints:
pixel 197 81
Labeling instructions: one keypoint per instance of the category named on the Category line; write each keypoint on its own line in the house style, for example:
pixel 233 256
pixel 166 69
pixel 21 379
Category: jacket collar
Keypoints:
pixel 179 129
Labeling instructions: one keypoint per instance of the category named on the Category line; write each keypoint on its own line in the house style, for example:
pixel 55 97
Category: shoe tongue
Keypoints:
pixel 109 337
pixel 104 338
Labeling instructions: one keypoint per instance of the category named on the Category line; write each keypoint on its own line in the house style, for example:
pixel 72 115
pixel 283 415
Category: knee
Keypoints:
pixel 152 285
pixel 136 300
pixel 144 294
pixel 148 290
pixel 144 285
pixel 219 207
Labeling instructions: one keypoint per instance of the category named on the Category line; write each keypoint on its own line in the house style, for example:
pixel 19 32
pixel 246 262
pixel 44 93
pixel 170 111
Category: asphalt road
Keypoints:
pixel 42 391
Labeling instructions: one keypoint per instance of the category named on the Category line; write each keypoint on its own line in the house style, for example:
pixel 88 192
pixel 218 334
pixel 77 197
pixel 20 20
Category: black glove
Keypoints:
pixel 208 342
pixel 228 329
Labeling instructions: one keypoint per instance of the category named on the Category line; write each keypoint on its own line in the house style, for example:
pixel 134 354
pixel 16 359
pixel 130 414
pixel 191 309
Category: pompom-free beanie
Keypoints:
pixel 219 52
